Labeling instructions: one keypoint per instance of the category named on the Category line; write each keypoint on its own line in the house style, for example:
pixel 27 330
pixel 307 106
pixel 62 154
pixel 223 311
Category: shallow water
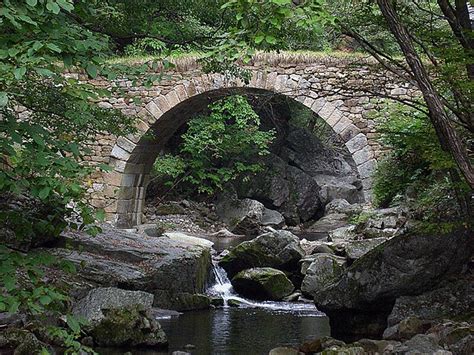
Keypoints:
pixel 243 330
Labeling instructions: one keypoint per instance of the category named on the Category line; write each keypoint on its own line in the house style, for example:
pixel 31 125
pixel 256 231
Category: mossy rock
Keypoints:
pixel 21 341
pixel 278 249
pixel 128 327
pixel 263 283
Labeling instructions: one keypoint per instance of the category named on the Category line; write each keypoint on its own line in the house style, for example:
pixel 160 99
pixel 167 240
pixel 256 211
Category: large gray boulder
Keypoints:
pixel 117 258
pixel 321 273
pixel 120 318
pixel 357 248
pixel 277 249
pixel 452 300
pixel 324 226
pixel 242 216
pixel 98 299
pixel 247 216
pixel 402 266
pixel 263 283
pixel 302 174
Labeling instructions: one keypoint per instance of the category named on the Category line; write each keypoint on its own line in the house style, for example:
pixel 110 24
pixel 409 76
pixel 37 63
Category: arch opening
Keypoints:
pixel 161 129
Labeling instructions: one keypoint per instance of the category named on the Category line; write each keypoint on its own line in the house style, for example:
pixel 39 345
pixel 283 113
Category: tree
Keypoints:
pixel 218 147
pixel 436 46
pixel 439 113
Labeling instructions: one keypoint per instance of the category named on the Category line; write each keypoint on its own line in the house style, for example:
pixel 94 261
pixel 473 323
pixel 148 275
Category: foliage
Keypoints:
pixel 415 166
pixel 260 25
pixel 361 218
pixel 47 122
pixel 218 147
pixel 70 335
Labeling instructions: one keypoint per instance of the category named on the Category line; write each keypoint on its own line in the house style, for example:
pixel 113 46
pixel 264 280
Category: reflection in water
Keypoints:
pixel 243 330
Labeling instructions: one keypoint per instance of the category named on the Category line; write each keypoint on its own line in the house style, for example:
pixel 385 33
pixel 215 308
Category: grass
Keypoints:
pixel 188 60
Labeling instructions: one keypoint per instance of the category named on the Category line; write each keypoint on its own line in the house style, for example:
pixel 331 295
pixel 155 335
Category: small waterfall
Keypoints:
pixel 223 288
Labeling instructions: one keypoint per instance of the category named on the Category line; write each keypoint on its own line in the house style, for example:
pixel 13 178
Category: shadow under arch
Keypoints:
pixel 133 157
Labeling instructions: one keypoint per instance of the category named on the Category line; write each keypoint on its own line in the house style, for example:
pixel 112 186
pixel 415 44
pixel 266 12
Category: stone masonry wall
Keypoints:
pixel 341 90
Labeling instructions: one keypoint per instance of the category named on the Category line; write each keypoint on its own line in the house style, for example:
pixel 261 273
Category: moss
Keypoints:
pixel 24 342
pixel 128 327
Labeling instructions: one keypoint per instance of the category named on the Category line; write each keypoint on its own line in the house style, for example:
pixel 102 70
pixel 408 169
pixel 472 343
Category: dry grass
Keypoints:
pixel 189 61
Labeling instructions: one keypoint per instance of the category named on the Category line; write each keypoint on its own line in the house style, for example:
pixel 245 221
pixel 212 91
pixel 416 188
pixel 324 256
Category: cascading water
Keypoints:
pixel 223 288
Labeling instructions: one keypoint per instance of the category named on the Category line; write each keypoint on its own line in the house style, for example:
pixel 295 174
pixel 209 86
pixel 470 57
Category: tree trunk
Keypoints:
pixel 447 135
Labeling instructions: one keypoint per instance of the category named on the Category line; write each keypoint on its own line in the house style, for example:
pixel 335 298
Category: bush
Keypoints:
pixel 218 147
pixel 416 169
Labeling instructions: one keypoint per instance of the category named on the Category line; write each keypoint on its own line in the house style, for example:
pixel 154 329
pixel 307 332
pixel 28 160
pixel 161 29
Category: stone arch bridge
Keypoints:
pixel 340 90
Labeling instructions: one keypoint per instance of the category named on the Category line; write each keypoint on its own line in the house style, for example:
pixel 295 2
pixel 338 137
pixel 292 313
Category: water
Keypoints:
pixel 242 331
pixel 253 328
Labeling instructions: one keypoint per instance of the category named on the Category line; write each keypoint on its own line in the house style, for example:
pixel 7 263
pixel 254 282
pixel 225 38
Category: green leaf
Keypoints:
pixel 270 39
pixel 3 99
pixel 258 39
pixel 53 7
pixel 53 47
pixel 44 192
pixel 44 72
pixel 73 324
pixel 91 70
pixel 100 215
pixel 45 300
pixel 19 73
pixel 32 2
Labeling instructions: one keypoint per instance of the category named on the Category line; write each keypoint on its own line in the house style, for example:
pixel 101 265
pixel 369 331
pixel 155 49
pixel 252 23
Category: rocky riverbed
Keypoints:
pixel 371 271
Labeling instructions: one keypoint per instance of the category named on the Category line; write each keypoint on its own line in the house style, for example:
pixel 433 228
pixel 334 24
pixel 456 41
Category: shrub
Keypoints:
pixel 218 147
pixel 416 169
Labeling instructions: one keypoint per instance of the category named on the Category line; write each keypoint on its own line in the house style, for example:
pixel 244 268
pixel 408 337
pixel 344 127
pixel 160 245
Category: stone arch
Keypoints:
pixel 132 157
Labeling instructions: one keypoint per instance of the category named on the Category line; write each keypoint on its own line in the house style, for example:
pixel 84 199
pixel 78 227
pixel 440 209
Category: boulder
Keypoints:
pixel 453 300
pixel 182 301
pixel 333 189
pixel 357 248
pixel 420 344
pixel 304 194
pixel 342 233
pixel 139 262
pixel 21 342
pixel 338 205
pixel 283 350
pixel 242 216
pixel 92 305
pixel 263 283
pixel 272 218
pixel 380 223
pixel 328 223
pixel 404 265
pixel 406 329
pixel 322 272
pixel 120 318
pixel 457 337
pixel 277 249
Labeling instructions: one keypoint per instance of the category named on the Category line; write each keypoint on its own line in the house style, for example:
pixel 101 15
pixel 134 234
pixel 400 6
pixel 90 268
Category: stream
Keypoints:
pixel 252 328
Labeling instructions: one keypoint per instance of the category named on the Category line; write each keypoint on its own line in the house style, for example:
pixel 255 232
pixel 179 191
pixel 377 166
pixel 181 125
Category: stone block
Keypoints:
pixel 119 153
pixel 363 155
pixel 162 103
pixel 154 111
pixel 126 144
pixel 327 110
pixel 172 99
pixel 349 132
pixel 356 143
pixel 367 169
